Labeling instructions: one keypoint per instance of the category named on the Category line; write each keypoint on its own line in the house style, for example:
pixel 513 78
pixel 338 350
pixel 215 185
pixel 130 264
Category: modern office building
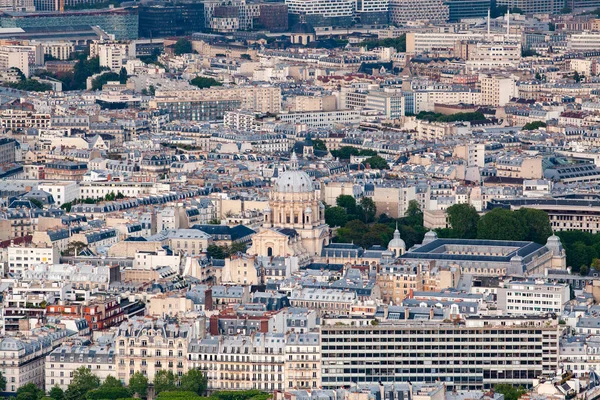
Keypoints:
pixel 466 9
pixel 534 6
pixel 162 19
pixel 479 353
pixel 372 12
pixel 321 12
pixel 121 22
pixel 390 105
pixel 403 11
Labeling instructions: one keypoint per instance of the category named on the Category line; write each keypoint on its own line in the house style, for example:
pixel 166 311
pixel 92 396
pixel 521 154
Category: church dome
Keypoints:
pixel 294 180
pixel 396 242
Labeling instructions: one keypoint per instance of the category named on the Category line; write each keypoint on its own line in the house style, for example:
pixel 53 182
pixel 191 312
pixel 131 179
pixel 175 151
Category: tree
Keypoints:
pixel 463 219
pixel 103 79
pixel 584 270
pixel 29 392
pixel 500 224
pixel 138 384
pixel 82 382
pixel 194 381
pixel 335 216
pixel 509 391
pixel 318 144
pixel 203 82
pixel 399 43
pixel 377 162
pixel 237 247
pixel 347 202
pixel 413 215
pixel 344 153
pixel 120 196
pixel 531 126
pixel 56 393
pixel 108 393
pixel 164 381
pixel 536 223
pixel 353 231
pixel 111 382
pixel 368 209
pixel 245 56
pixel 596 264
pixel 214 251
pixel 182 46
pixel 123 76
pixel 2 382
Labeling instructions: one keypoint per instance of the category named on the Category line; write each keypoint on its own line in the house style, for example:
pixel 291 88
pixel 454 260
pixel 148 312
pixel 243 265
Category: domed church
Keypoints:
pixel 294 223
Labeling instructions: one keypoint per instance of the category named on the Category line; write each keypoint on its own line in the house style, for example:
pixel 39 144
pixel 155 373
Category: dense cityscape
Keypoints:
pixel 300 199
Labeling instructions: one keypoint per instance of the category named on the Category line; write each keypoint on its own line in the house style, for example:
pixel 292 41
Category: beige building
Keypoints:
pixel 303 361
pixel 497 90
pixel 239 269
pixel 62 362
pixel 520 167
pixel 168 305
pixel 261 99
pixel 294 220
pixel 148 345
pixel 22 358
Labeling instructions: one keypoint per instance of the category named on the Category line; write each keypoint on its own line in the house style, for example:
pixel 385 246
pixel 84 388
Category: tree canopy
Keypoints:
pixel 531 126
pixel 461 116
pixel 463 219
pixel 500 224
pixel 399 43
pixel 83 381
pixel 376 162
pixel 138 384
pixel 194 381
pixel 164 381
pixel 509 391
pixel 203 82
pixel 182 46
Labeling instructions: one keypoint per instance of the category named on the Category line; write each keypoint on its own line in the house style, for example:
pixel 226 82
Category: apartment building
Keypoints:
pixel 191 104
pixel 532 297
pixel 241 362
pixel 423 42
pixel 148 345
pixel 17 119
pixel 398 281
pixel 324 300
pixel 479 353
pixel 59 50
pixel 21 258
pixel 8 149
pixel 497 90
pixel 14 57
pixel 61 363
pixel 62 192
pixel 323 119
pixel 302 365
pixel 22 358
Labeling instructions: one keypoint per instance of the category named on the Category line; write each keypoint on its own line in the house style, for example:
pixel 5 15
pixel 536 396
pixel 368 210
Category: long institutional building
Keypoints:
pixel 566 214
pixel 482 352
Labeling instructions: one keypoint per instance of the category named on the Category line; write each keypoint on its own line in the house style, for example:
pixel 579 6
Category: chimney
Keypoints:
pixel 406 313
